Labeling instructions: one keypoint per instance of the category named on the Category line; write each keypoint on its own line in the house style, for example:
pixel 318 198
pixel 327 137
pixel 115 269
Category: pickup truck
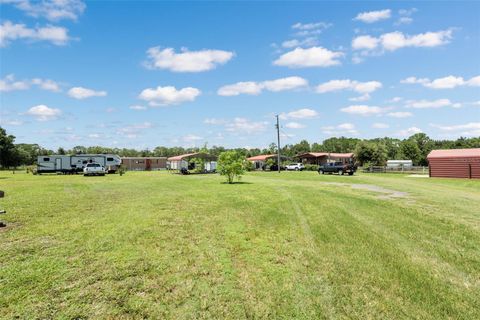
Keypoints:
pixel 295 166
pixel 94 169
pixel 338 167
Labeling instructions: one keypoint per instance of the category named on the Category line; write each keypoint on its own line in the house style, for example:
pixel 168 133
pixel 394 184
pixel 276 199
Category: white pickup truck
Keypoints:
pixel 295 166
pixel 94 169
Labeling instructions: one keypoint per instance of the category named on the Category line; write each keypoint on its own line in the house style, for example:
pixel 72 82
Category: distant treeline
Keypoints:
pixel 367 151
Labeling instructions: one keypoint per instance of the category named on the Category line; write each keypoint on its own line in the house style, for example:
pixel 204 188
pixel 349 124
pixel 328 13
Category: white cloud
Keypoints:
pixel 396 40
pixel 137 107
pixel 44 113
pixel 304 113
pixel 347 84
pixel 468 129
pixel 373 16
pixel 365 42
pixel 395 100
pixel 307 42
pixel 53 34
pixel 242 125
pixel 134 130
pixel 9 84
pixel 404 20
pixel 363 97
pixel 164 96
pixel 448 82
pixel 341 129
pixel 363 110
pixel 246 87
pixel 47 84
pixel 11 122
pixel 426 104
pixel 379 125
pixel 255 88
pixel 311 57
pixel 400 114
pixel 410 131
pixel 239 125
pixel 84 93
pixel 187 61
pixel 310 29
pixel 294 125
pixel 191 138
pixel 52 10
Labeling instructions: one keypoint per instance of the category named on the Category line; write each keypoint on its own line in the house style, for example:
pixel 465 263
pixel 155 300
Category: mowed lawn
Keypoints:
pixel 292 245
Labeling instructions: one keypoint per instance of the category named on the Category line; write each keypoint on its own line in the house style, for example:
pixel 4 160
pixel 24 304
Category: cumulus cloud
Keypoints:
pixel 304 113
pixel 347 84
pixel 8 83
pixel 467 129
pixel 369 45
pixel 373 16
pixel 169 95
pixel 239 125
pixel 10 32
pixel 409 131
pixel 44 113
pixel 187 61
pixel 310 57
pixel 47 84
pixel 307 42
pixel 400 114
pixel 294 125
pixel 364 110
pixel 341 129
pixel 52 10
pixel 428 104
pixel 448 82
pixel 255 88
pixel 84 93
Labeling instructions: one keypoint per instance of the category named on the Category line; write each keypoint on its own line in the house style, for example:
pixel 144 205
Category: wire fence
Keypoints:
pixel 399 169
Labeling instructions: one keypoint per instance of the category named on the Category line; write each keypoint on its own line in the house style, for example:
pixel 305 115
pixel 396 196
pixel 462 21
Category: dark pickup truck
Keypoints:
pixel 338 167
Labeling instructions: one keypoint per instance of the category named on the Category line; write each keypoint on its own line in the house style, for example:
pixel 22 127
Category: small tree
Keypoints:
pixel 231 165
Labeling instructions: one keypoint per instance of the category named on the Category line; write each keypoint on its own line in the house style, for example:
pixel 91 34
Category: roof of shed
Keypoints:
pixel 325 154
pixel 261 157
pixel 454 153
pixel 200 155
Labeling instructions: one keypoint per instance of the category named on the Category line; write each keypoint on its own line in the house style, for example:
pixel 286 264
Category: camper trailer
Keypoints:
pixel 76 163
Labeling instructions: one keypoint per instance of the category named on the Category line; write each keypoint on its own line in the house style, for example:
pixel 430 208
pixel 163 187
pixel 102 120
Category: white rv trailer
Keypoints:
pixel 76 163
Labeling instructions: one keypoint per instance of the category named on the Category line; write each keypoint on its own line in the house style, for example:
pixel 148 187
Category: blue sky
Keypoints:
pixel 144 74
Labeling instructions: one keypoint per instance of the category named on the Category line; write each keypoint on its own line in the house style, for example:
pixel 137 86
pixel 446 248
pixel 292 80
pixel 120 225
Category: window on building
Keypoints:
pixel 46 159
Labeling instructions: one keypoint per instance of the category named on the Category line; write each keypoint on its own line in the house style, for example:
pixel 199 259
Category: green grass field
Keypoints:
pixel 294 245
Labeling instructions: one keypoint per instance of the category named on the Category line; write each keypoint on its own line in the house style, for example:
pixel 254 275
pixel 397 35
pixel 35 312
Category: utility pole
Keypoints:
pixel 278 144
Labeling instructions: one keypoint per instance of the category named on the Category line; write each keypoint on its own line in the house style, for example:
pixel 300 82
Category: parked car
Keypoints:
pixel 94 169
pixel 338 167
pixel 295 166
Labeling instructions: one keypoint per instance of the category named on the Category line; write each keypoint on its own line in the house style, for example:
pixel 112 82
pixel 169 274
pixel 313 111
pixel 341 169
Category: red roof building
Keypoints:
pixel 454 163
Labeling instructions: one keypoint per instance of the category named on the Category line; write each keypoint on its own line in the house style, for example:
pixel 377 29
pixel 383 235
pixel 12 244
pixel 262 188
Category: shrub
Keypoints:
pixel 231 164
pixel 312 167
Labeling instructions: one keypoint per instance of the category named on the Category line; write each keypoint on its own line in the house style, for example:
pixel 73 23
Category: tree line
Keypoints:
pixel 367 151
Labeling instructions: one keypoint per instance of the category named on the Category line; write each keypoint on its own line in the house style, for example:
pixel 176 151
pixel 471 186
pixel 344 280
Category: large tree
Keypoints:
pixel 7 149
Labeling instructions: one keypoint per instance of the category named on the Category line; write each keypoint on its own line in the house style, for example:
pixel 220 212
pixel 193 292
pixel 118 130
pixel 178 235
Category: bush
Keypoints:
pixel 312 167
pixel 121 170
pixel 231 164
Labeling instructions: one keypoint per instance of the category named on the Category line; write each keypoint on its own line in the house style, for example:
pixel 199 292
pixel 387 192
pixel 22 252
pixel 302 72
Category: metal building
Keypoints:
pixel 454 163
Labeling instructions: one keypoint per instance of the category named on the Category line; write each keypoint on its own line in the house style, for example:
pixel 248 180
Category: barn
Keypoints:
pixel 144 163
pixel 454 163
pixel 320 158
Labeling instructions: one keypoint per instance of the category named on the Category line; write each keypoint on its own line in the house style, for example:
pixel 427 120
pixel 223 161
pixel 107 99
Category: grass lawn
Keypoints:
pixel 290 245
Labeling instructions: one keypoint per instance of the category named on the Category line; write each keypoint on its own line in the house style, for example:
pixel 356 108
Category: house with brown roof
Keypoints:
pixel 320 158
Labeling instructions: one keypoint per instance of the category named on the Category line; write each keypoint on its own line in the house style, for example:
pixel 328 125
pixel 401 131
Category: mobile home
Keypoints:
pixel 76 163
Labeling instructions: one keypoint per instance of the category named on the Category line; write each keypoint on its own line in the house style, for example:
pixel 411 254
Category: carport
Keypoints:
pixel 184 161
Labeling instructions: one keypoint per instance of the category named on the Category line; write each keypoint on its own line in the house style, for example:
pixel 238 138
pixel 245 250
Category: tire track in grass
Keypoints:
pixel 311 250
